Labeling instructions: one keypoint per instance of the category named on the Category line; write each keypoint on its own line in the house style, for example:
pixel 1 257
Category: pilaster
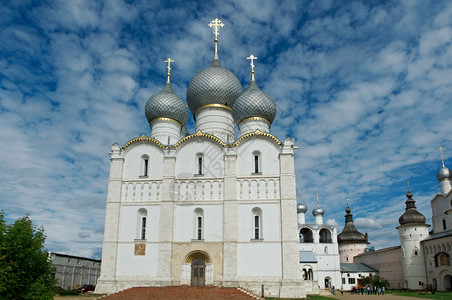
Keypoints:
pixel 166 228
pixel 230 220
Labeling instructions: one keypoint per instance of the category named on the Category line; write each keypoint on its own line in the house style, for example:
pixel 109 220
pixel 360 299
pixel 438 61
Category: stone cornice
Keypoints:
pixel 205 135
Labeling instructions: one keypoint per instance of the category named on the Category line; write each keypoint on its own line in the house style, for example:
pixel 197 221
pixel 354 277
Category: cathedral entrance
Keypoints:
pixel 198 272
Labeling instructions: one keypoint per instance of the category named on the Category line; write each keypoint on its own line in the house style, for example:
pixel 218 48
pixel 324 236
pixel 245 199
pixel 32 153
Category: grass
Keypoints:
pixel 436 295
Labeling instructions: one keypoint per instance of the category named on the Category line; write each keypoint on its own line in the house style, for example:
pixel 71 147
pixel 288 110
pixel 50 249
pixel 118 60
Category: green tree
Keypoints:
pixel 375 281
pixel 25 271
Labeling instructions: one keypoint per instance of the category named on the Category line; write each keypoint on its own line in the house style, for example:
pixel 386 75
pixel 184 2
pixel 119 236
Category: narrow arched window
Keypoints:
pixel 199 228
pixel 199 224
pixel 257 162
pixel 199 164
pixel 145 165
pixel 256 227
pixel 257 224
pixel 143 228
pixel 142 224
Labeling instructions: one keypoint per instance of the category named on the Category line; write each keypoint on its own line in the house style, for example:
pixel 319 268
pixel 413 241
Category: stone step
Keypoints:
pixel 182 293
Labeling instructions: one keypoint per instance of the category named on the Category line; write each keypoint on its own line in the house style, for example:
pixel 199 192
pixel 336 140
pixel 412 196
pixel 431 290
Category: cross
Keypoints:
pixel 348 199
pixel 442 157
pixel 317 194
pixel 299 194
pixel 252 57
pixel 216 24
pixel 169 61
pixel 408 183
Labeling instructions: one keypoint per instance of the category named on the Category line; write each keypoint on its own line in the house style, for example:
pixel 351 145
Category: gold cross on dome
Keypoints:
pixel 442 157
pixel 169 61
pixel 215 24
pixel 252 58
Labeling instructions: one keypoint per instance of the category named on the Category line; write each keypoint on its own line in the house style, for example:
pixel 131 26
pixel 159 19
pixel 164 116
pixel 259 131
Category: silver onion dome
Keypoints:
pixel 166 104
pixel 254 103
pixel 301 208
pixel 213 85
pixel 318 211
pixel 443 173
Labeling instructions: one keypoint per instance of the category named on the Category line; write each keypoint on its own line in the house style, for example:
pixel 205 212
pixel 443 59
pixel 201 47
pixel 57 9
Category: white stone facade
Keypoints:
pixel 327 269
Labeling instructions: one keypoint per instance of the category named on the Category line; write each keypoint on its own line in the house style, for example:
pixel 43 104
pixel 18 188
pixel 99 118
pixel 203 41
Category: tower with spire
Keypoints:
pixel 351 241
pixel 412 231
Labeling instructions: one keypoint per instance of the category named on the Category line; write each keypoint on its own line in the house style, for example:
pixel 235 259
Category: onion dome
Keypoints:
pixel 166 104
pixel 301 208
pixel 443 173
pixel 411 215
pixel 215 84
pixel 318 211
pixel 254 103
pixel 350 234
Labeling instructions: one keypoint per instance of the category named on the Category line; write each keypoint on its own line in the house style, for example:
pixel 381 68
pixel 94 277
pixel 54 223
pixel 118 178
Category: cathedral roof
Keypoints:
pixel 350 234
pixel 213 85
pixel 443 173
pixel 166 104
pixel 411 215
pixel 254 103
pixel 301 208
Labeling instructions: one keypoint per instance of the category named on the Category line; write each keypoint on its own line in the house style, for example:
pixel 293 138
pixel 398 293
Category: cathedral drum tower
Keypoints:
pixel 412 231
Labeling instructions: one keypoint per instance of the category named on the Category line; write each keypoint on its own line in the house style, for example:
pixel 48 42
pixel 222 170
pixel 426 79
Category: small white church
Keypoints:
pixel 209 208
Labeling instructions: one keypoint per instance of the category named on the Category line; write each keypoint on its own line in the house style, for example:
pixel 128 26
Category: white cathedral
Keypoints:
pixel 213 208
pixel 207 208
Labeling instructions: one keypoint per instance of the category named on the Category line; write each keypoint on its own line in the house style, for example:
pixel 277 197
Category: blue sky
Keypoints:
pixel 364 88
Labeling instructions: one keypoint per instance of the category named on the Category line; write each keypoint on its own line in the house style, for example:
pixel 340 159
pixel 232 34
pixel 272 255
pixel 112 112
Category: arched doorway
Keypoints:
pixel 198 272
pixel 327 282
pixel 197 269
pixel 447 282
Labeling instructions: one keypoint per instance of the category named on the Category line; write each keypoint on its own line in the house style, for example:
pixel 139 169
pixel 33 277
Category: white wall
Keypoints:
pixel 133 163
pixel 269 156
pixel 259 259
pixel 185 226
pixel 129 220
pixel 270 222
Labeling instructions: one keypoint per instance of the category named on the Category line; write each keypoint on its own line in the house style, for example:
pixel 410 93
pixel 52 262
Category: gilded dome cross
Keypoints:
pixel 215 24
pixel 252 58
pixel 169 61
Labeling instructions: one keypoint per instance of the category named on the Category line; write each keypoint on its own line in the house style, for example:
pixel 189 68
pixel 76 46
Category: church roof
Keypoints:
pixel 254 103
pixel 350 234
pixel 434 236
pixel 411 215
pixel 166 104
pixel 213 85
pixel 307 257
pixel 356 267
